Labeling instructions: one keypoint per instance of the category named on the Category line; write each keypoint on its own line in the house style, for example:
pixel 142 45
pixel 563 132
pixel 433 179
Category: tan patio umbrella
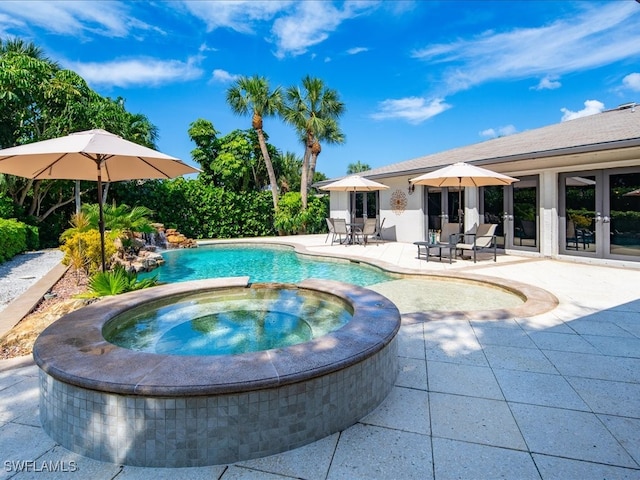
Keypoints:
pixel 632 193
pixel 354 183
pixel 91 155
pixel 462 175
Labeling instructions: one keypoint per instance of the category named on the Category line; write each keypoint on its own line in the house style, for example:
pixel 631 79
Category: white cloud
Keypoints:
pixel 137 72
pixel 591 107
pixel 548 83
pixel 632 82
pixel 499 132
pixel 205 48
pixel 238 15
pixel 412 109
pixel 108 19
pixel 311 23
pixel 222 76
pixel 599 34
pixel 357 50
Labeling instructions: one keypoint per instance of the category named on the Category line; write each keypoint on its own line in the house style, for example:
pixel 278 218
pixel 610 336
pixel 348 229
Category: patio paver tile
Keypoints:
pixel 602 367
pixel 476 420
pixel 455 460
pixel 404 409
pixel 412 373
pixel 468 380
pixel 310 462
pixel 555 468
pixel 365 452
pixel 538 389
pixel 569 434
pixel 626 431
pixel 516 358
pixel 563 342
pixel 608 397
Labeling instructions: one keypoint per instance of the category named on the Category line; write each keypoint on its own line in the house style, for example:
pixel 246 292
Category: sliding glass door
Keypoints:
pixel 600 214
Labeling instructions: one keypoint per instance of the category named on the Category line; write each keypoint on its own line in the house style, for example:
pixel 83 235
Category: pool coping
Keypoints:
pixel 73 349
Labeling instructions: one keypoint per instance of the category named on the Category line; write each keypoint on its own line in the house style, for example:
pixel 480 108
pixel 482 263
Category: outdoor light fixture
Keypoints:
pixel 411 188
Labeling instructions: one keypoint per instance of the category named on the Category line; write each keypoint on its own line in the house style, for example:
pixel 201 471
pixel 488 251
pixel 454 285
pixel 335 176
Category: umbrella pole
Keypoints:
pixel 101 217
pixel 460 205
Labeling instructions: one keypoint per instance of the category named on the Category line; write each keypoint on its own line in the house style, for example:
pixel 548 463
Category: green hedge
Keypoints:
pixel 199 210
pixel 16 237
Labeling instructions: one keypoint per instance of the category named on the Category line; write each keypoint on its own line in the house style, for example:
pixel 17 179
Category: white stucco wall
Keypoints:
pixel 403 225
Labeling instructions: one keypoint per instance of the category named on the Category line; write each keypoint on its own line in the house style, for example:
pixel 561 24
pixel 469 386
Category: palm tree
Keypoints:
pixel 357 167
pixel 331 135
pixel 313 112
pixel 252 94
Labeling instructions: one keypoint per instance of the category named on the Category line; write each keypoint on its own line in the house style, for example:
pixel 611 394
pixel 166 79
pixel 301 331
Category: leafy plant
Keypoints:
pixel 292 219
pixel 13 238
pixel 86 245
pixel 117 281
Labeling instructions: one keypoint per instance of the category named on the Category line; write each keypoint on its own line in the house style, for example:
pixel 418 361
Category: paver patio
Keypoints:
pixel 554 396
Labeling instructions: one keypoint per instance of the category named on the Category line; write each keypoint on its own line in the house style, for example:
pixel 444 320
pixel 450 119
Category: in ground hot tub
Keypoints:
pixel 139 407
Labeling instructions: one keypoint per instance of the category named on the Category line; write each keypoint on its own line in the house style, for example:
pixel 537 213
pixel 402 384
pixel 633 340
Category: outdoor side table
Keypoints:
pixel 427 246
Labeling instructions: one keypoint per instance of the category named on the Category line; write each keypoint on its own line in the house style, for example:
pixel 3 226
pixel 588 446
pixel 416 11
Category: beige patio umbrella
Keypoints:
pixel 354 183
pixel 462 175
pixel 632 193
pixel 91 155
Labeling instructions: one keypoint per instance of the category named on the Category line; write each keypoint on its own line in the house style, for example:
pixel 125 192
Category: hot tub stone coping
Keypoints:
pixel 73 349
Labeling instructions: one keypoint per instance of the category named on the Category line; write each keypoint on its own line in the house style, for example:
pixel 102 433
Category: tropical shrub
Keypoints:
pixel 117 281
pixel 13 238
pixel 83 248
pixel 200 210
pixel 291 219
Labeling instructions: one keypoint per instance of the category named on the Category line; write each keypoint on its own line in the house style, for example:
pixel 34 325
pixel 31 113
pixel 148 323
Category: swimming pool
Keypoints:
pixel 262 264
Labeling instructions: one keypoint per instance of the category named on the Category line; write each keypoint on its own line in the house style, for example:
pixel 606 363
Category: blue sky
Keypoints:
pixel 417 77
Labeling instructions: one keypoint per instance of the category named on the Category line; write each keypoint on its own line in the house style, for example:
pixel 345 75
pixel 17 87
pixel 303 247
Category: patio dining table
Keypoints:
pixel 352 228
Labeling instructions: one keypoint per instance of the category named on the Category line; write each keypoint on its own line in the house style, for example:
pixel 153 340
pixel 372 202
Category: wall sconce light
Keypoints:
pixel 411 188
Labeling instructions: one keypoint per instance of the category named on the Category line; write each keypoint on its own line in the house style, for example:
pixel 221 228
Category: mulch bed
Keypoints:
pixel 19 340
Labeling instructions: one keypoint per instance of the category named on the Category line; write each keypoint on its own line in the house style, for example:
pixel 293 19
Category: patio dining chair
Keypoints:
pixel 340 229
pixel 367 230
pixel 331 231
pixel 378 233
pixel 483 239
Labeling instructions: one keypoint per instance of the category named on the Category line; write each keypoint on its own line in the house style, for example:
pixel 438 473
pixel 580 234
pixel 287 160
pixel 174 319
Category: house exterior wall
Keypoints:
pixel 403 211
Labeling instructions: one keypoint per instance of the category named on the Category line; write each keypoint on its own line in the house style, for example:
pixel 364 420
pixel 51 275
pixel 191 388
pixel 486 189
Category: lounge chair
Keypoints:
pixel 367 230
pixel 483 239
pixel 449 233
pixel 340 229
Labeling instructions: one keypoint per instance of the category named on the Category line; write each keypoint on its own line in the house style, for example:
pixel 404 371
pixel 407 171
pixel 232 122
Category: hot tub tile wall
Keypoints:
pixel 213 429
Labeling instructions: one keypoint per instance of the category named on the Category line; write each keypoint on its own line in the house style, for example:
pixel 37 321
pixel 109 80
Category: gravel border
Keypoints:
pixel 24 270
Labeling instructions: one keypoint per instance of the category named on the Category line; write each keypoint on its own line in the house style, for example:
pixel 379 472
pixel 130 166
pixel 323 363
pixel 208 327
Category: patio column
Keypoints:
pixel 549 214
pixel 471 208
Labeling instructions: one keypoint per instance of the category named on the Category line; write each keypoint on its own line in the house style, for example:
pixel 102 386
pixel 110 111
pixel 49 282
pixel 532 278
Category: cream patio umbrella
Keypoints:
pixel 91 155
pixel 462 175
pixel 353 184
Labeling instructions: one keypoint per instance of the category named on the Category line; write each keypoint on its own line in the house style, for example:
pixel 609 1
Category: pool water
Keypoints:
pixel 261 264
pixel 229 323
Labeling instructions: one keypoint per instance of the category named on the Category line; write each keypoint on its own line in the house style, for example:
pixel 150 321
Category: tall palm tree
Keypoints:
pixel 252 95
pixel 330 135
pixel 313 111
